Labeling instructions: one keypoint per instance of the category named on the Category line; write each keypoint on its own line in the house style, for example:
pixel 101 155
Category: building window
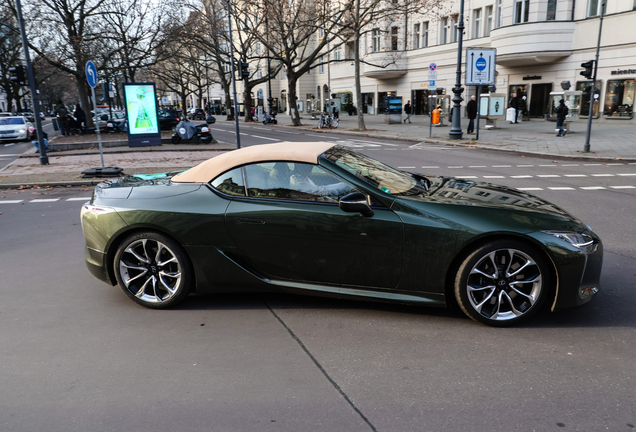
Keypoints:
pixel 321 67
pixel 521 11
pixel 594 7
pixel 551 15
pixel 425 34
pixel 444 31
pixel 258 47
pixel 476 23
pixel 375 35
pixel 416 36
pixel 619 98
pixel 337 54
pixel 321 33
pixel 259 75
pixel 498 19
pixel 454 30
pixel 489 17
pixel 394 38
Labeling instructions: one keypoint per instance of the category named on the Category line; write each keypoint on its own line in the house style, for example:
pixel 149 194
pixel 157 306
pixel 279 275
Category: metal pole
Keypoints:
pixel 99 136
pixel 207 85
pixel 586 147
pixel 430 114
pixel 44 159
pixel 270 98
pixel 236 111
pixel 456 129
pixel 478 110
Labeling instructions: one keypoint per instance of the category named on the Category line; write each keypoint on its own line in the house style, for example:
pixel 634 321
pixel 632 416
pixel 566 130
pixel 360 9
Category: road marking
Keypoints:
pixel 290 133
pixel 529 189
pixel 490 177
pixel 11 202
pixel 623 187
pixel 570 165
pixel 521 176
pixel 453 167
pixel 41 200
pixel 524 166
pixel 79 199
pixel 374 142
pixel 467 177
pixel 614 164
pixel 406 167
pixel 592 187
pixel 575 175
pixel 602 175
pixel 548 175
pixel 561 188
pixel 502 166
pixel 9 155
pixel 430 167
pixel 271 139
pixel 592 164
pixel 9 145
pixel 631 174
pixel 478 166
pixel 553 165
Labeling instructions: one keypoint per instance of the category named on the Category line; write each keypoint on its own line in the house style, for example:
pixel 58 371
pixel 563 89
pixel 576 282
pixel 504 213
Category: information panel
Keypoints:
pixel 141 113
pixel 480 66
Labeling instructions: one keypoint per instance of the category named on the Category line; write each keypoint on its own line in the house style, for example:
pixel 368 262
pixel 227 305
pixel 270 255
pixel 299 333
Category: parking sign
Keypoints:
pixel 480 66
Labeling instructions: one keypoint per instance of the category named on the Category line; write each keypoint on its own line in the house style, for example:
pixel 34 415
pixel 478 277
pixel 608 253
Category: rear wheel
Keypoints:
pixel 153 270
pixel 274 121
pixel 502 283
pixel 176 139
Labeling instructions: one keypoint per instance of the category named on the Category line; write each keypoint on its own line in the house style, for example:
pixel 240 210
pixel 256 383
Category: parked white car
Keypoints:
pixel 15 128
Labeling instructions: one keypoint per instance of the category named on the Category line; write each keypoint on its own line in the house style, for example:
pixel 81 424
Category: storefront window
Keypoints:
pixel 619 98
pixel 585 87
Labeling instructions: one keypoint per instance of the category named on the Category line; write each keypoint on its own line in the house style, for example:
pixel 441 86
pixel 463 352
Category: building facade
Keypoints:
pixel 540 44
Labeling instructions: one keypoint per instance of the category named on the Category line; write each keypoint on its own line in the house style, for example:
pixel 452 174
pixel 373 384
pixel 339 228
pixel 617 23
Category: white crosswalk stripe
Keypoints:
pixel 10 201
pixel 41 200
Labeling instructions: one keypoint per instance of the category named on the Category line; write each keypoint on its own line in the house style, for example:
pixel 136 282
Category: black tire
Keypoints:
pixel 175 139
pixel 153 270
pixel 274 121
pixel 264 122
pixel 206 139
pixel 502 283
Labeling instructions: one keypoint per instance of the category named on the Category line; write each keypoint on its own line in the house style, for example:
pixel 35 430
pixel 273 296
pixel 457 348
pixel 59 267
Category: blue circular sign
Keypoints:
pixel 91 74
pixel 480 64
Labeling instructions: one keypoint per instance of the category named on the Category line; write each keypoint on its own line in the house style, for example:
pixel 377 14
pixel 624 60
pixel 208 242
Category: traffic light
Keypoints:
pixel 245 74
pixel 589 69
pixel 17 75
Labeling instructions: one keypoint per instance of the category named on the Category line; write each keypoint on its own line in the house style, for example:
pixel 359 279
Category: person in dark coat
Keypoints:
pixel 514 103
pixel 561 112
pixel 79 114
pixel 471 111
pixel 62 120
pixel 407 111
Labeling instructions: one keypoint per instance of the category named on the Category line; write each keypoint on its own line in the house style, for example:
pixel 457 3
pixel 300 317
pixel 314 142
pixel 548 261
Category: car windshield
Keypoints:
pixel 11 121
pixel 387 179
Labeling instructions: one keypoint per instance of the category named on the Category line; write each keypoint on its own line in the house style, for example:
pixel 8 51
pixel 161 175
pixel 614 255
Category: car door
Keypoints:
pixel 290 227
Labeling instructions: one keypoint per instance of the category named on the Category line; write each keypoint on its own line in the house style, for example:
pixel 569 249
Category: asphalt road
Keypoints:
pixel 77 355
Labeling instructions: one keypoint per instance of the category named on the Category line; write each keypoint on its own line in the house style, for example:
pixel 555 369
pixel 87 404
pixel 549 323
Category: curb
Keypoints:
pixel 466 144
pixel 45 184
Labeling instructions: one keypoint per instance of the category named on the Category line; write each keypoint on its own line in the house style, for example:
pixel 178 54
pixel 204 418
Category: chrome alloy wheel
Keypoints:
pixel 504 284
pixel 150 270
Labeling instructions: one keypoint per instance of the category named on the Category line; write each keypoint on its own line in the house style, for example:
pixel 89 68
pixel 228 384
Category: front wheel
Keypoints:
pixel 176 139
pixel 206 139
pixel 336 122
pixel 153 270
pixel 502 283
pixel 264 122
pixel 274 121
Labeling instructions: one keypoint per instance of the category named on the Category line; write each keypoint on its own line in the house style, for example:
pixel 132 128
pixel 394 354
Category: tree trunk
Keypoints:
pixel 291 100
pixel 83 95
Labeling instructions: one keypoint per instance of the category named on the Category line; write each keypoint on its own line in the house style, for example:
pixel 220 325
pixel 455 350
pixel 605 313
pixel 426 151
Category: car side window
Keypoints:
pixel 230 182
pixel 294 181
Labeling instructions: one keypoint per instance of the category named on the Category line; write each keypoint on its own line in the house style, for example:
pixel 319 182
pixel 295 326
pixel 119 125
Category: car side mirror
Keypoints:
pixel 210 120
pixel 356 202
pixel 104 117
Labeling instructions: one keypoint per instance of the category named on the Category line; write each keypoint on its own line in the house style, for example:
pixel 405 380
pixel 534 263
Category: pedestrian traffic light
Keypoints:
pixel 589 69
pixel 17 75
pixel 245 74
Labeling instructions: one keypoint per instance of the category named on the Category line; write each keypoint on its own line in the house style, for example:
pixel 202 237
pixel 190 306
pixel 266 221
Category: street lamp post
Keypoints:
pixel 270 99
pixel 586 147
pixel 456 129
pixel 236 111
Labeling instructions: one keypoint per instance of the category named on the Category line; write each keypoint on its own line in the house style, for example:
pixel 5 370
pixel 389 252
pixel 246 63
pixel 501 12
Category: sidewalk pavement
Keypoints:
pixel 609 140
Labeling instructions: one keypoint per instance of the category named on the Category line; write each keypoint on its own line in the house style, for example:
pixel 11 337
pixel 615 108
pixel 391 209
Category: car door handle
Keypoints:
pixel 252 221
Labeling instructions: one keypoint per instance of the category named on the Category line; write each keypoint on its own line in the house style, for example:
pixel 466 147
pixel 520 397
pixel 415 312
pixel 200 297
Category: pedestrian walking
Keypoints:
pixel 407 111
pixel 79 114
pixel 562 112
pixel 471 111
pixel 514 103
pixel 62 120
pixel 35 142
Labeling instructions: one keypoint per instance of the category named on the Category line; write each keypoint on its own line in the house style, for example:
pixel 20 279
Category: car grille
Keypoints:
pixel 7 132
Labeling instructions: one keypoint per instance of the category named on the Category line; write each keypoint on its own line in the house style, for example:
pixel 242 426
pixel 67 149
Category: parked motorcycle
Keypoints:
pixel 267 118
pixel 188 131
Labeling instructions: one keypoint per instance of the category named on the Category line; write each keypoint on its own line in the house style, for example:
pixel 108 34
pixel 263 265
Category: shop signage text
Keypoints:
pixel 533 77
pixel 624 72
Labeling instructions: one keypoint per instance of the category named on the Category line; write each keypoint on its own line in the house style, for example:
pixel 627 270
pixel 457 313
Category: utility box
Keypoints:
pixel 572 100
pixel 393 109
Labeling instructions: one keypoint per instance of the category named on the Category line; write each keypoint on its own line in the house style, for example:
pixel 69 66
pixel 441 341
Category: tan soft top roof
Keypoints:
pixel 294 152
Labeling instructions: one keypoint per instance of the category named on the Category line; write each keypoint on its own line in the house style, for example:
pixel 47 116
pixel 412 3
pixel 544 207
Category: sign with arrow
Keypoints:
pixel 91 74
pixel 480 66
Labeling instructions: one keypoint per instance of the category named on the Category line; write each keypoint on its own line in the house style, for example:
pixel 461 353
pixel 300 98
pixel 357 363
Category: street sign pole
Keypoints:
pixel 478 110
pixel 91 77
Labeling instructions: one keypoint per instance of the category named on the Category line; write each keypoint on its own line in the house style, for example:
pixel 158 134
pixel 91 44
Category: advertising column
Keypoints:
pixel 141 113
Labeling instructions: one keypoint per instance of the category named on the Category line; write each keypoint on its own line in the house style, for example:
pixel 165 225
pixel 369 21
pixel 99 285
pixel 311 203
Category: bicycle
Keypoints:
pixel 327 121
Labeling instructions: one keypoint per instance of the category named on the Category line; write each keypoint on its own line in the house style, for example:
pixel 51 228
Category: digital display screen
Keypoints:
pixel 141 108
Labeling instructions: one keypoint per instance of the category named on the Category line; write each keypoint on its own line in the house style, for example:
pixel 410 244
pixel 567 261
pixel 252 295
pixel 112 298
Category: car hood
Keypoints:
pixel 451 190
pixel 13 127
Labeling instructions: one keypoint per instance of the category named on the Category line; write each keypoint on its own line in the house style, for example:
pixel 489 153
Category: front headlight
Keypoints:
pixel 22 130
pixel 578 240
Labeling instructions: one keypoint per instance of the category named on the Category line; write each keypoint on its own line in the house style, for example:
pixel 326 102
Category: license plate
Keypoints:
pixel 3 136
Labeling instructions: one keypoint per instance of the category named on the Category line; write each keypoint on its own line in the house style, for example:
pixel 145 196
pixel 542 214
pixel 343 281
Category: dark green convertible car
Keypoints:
pixel 321 219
